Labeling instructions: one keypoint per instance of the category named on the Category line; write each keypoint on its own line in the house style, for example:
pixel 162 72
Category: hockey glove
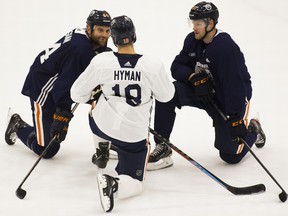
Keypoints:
pixel 59 127
pixel 203 86
pixel 237 129
pixel 95 95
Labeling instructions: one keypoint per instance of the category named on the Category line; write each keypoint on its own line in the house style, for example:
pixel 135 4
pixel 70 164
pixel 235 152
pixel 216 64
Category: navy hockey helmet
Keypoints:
pixel 122 30
pixel 98 17
pixel 204 10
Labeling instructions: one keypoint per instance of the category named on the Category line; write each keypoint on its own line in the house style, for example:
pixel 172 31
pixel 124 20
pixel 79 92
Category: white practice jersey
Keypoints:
pixel 129 83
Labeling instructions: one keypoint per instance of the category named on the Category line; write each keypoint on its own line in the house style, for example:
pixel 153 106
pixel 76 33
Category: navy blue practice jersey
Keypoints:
pixel 56 68
pixel 226 63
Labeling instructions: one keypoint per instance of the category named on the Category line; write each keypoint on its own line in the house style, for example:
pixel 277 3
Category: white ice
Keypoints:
pixel 66 184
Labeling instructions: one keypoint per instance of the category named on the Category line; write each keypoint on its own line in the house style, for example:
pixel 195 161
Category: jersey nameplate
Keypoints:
pixel 127 75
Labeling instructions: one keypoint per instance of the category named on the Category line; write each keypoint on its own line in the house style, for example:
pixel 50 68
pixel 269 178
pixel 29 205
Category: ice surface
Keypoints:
pixel 66 185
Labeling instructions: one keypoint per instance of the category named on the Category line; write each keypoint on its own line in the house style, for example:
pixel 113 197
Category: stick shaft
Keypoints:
pixel 232 189
pixel 44 152
pixel 250 150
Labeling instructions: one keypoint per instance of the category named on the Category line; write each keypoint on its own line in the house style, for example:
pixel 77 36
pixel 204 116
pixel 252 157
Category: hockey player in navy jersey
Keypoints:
pixel 129 82
pixel 209 70
pixel 49 81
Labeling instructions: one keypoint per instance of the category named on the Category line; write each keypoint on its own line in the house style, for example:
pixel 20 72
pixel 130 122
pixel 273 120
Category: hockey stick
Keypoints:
pixel 21 193
pixel 283 194
pixel 235 190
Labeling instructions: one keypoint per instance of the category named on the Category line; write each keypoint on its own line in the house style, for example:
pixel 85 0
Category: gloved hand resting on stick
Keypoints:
pixel 203 86
pixel 59 127
pixel 237 128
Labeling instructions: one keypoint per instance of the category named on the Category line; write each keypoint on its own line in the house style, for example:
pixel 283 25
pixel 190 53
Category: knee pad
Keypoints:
pixel 231 158
pixel 51 152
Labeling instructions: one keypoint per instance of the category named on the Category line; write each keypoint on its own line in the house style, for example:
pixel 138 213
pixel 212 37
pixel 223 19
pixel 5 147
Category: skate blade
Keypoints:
pixel 161 164
pixel 113 155
pixel 9 115
pixel 102 184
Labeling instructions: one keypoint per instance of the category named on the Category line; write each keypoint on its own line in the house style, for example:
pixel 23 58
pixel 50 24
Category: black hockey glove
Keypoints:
pixel 95 94
pixel 59 127
pixel 237 129
pixel 203 86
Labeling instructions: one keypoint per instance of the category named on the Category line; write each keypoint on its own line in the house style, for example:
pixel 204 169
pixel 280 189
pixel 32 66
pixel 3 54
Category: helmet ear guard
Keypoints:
pixel 124 39
pixel 123 30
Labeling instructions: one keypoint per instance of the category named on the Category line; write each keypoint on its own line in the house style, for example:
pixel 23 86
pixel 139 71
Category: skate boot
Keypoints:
pixel 107 186
pixel 101 157
pixel 160 157
pixel 255 127
pixel 14 123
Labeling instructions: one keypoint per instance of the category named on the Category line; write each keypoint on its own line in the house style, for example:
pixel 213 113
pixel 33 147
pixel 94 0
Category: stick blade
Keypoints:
pixel 247 190
pixel 20 193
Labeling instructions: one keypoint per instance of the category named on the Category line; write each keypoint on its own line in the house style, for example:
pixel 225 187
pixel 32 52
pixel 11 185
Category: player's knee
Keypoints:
pixel 51 152
pixel 132 162
pixel 231 158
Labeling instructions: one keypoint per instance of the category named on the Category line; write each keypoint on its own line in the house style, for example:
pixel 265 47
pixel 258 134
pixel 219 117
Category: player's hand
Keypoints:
pixel 96 93
pixel 203 86
pixel 237 129
pixel 59 127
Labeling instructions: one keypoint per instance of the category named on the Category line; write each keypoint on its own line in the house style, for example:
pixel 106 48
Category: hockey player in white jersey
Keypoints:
pixel 129 82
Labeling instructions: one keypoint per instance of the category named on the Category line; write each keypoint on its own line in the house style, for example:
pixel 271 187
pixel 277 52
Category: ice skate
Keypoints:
pixel 160 157
pixel 255 127
pixel 107 186
pixel 14 122
pixel 113 152
pixel 101 157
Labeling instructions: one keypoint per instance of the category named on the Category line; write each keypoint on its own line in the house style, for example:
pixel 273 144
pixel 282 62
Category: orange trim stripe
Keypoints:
pixel 38 121
pixel 240 148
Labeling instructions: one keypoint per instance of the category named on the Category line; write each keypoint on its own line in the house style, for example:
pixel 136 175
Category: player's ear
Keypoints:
pixel 88 28
pixel 211 24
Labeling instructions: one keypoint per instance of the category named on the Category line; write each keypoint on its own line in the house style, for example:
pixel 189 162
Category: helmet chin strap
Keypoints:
pixel 206 31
